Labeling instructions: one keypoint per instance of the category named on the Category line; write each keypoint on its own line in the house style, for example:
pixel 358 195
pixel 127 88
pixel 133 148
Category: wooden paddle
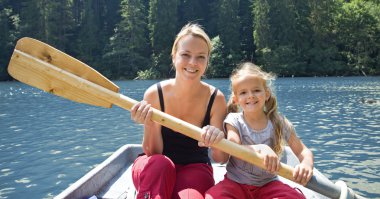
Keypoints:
pixel 40 65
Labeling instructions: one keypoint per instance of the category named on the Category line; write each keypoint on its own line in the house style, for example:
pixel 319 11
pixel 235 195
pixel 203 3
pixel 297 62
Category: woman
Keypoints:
pixel 175 166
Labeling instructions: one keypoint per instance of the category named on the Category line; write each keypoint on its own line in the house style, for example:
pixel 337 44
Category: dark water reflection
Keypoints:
pixel 48 142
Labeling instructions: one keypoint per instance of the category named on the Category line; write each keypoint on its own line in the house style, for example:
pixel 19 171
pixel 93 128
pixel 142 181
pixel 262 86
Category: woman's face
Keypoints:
pixel 190 60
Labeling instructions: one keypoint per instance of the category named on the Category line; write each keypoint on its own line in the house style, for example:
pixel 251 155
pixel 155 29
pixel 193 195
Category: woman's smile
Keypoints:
pixel 191 70
pixel 191 57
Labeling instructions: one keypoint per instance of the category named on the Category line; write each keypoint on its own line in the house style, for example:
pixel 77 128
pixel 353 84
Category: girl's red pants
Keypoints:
pixel 233 190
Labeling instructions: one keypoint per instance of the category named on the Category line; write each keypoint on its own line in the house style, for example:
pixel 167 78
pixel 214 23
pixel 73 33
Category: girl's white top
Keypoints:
pixel 244 172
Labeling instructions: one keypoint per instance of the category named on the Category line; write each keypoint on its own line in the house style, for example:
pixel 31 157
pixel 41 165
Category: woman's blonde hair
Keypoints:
pixel 195 30
pixel 270 109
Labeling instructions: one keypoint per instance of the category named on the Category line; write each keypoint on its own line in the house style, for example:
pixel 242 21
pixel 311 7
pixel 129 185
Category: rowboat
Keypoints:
pixel 113 178
pixel 47 68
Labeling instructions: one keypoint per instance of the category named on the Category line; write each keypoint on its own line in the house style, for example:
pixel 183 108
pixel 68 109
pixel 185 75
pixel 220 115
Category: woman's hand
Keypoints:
pixel 210 135
pixel 302 173
pixel 141 113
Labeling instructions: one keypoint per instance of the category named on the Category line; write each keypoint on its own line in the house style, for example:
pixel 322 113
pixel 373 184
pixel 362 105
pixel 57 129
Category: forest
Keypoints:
pixel 132 39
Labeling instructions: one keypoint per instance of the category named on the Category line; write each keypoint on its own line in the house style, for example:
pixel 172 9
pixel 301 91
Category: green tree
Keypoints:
pixel 289 37
pixel 49 21
pixel 228 29
pixel 358 33
pixel 9 25
pixel 59 24
pixel 216 67
pixel 323 54
pixel 246 30
pixel 283 30
pixel 302 37
pixel 128 50
pixel 212 21
pixel 277 36
pixel 288 30
pixel 374 10
pixel 33 22
pixel 91 40
pixel 112 16
pixel 261 30
pixel 163 28
pixel 192 11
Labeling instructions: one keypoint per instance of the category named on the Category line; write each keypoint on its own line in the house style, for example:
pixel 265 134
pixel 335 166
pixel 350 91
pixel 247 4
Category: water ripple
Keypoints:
pixel 47 142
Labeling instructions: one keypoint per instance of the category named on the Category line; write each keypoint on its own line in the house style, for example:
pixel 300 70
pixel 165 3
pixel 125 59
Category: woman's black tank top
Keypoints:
pixel 180 148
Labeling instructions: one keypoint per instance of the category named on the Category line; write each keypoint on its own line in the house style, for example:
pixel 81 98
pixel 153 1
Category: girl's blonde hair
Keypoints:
pixel 195 30
pixel 270 109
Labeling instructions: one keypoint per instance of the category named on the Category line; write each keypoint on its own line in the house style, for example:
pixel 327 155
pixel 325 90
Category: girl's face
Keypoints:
pixel 250 93
pixel 190 60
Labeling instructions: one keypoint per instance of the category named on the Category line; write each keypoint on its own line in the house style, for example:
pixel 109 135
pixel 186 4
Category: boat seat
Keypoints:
pixel 121 187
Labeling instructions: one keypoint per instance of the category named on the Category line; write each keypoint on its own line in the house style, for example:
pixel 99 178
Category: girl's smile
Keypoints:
pixel 250 93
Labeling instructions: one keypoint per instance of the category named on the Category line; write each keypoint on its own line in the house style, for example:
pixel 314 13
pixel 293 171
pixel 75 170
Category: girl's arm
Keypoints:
pixel 304 171
pixel 141 113
pixel 271 160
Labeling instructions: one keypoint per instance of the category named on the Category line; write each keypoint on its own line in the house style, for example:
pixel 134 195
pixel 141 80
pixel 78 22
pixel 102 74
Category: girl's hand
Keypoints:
pixel 271 160
pixel 210 135
pixel 141 113
pixel 302 173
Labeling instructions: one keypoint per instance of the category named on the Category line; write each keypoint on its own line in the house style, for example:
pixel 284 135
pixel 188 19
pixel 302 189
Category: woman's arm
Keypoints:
pixel 233 136
pixel 218 114
pixel 142 113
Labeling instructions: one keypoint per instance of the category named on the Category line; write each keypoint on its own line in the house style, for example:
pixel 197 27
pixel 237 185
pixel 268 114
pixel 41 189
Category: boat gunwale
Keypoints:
pixel 85 186
pixel 99 180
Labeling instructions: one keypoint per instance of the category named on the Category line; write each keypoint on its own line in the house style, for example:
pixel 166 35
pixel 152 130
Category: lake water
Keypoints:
pixel 47 142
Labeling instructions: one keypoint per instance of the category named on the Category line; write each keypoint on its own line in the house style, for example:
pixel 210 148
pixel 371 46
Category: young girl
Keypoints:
pixel 261 128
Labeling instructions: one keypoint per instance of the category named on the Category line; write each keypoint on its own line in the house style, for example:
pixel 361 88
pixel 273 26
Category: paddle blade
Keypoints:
pixel 32 58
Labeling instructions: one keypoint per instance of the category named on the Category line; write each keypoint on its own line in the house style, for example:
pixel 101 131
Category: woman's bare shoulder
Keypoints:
pixel 219 96
pixel 153 88
pixel 219 104
pixel 151 96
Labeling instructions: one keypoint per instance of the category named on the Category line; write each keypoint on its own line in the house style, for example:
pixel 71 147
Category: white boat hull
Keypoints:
pixel 112 178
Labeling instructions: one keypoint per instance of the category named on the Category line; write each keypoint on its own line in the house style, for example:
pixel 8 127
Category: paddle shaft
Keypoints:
pixel 125 102
pixel 26 62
